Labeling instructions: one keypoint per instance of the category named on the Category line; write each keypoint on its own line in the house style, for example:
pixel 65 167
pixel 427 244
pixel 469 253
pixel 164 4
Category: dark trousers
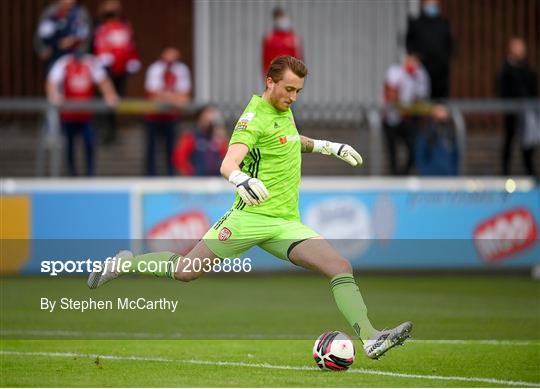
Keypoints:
pixel 155 129
pixel 440 82
pixel 72 130
pixel 511 128
pixel 109 119
pixel 404 132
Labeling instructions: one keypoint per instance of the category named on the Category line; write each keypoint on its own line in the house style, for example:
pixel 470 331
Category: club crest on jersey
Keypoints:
pixel 224 234
pixel 244 120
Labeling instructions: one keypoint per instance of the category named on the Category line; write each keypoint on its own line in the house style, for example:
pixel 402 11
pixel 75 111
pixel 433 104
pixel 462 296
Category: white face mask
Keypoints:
pixel 283 24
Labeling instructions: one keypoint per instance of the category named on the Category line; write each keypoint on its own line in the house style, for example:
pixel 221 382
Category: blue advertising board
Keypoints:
pixel 77 226
pixel 381 229
pixel 374 228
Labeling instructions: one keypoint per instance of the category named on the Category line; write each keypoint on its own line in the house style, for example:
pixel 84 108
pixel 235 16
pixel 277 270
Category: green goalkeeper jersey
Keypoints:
pixel 274 157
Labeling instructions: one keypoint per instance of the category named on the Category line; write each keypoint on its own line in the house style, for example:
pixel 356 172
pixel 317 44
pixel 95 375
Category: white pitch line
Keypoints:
pixel 268 366
pixel 489 342
pixel 180 336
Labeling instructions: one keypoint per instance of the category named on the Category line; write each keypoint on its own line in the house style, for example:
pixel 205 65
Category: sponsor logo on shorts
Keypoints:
pixel 505 234
pixel 224 234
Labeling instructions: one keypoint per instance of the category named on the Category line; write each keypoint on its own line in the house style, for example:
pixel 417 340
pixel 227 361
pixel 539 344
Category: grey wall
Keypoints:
pixel 348 46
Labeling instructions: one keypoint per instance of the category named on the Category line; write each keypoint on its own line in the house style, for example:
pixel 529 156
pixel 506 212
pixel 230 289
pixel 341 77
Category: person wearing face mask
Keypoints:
pixel 430 36
pixel 282 40
pixel 200 152
pixel 114 45
pixel 406 84
pixel 168 81
pixel 516 81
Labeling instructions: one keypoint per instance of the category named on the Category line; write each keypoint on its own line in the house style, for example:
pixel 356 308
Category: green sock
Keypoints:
pixel 351 304
pixel 161 264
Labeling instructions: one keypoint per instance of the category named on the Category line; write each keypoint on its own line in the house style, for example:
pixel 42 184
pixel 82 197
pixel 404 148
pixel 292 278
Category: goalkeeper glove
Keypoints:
pixel 342 151
pixel 251 190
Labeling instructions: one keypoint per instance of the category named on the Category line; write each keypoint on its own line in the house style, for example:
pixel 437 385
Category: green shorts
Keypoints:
pixel 238 231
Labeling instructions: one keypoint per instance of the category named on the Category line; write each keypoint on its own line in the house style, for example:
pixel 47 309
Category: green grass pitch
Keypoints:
pixel 258 331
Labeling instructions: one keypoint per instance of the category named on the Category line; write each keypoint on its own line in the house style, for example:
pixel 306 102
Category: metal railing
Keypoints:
pixel 357 115
pixel 457 110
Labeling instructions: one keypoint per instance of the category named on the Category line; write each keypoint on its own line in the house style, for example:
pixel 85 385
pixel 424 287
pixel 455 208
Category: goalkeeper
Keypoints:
pixel 263 162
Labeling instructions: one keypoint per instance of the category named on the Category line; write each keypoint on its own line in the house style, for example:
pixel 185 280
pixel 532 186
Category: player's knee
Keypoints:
pixel 186 276
pixel 347 267
pixel 341 266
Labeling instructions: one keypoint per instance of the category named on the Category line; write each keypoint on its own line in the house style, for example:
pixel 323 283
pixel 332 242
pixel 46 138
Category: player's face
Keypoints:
pixel 283 94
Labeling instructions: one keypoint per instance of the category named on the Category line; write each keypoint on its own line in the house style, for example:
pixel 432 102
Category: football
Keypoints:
pixel 334 350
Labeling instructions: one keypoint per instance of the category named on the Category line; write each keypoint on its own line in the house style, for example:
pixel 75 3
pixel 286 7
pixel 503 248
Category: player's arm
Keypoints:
pixel 251 190
pixel 339 150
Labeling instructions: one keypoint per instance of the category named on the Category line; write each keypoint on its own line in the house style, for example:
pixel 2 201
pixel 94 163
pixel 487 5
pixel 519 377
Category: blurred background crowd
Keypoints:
pixel 401 80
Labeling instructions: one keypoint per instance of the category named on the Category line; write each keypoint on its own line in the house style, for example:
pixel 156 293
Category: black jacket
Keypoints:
pixel 517 81
pixel 431 38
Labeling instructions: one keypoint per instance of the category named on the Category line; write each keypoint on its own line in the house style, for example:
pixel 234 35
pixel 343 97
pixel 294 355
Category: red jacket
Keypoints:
pixel 114 45
pixel 196 155
pixel 278 43
pixel 77 77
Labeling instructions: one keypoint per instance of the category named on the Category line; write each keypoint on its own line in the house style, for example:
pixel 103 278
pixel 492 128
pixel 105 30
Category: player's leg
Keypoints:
pixel 199 255
pixel 225 239
pixel 318 255
pixel 166 264
pixel 159 264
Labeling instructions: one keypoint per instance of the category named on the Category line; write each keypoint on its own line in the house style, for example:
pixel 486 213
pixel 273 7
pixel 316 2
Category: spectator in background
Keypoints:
pixel 63 27
pixel 282 40
pixel 199 153
pixel 114 45
pixel 168 81
pixel 430 37
pixel 72 78
pixel 436 145
pixel 516 81
pixel 405 84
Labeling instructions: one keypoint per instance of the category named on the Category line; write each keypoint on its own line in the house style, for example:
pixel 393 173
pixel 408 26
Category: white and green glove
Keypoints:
pixel 342 151
pixel 251 190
